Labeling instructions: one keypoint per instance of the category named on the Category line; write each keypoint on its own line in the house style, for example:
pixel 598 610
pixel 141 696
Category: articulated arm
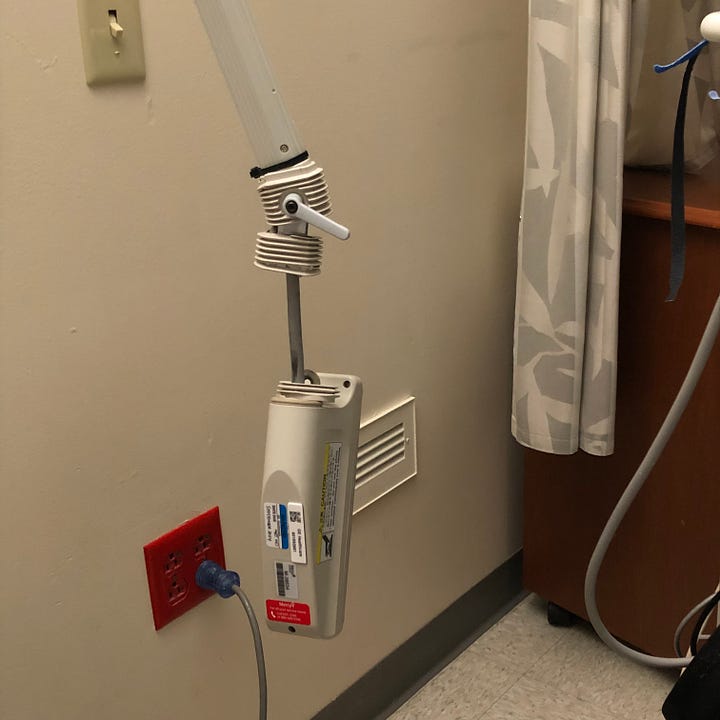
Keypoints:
pixel 313 428
pixel 292 188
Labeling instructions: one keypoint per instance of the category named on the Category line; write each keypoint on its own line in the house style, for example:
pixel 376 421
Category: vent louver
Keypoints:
pixel 386 454
pixel 380 453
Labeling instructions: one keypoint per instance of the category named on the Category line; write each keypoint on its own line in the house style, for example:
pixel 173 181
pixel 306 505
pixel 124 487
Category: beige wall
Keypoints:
pixel 139 346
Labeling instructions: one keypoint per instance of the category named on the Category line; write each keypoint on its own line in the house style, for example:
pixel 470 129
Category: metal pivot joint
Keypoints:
pixel 293 199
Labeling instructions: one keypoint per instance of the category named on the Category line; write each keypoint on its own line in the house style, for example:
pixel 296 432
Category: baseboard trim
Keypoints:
pixel 383 689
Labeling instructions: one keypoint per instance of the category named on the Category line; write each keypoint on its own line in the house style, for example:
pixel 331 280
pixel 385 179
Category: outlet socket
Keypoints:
pixel 171 561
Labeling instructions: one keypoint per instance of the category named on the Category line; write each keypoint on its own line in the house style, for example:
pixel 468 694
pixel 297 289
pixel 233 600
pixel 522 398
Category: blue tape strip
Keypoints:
pixel 677 200
pixel 284 532
pixel 689 55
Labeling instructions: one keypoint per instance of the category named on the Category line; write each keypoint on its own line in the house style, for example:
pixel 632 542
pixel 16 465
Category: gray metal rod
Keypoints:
pixel 297 355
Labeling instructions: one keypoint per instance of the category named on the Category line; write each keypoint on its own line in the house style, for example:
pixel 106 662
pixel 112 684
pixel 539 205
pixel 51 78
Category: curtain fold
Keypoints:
pixel 569 242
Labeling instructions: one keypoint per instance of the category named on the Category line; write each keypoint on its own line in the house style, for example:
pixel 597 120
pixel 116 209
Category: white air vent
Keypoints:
pixel 386 454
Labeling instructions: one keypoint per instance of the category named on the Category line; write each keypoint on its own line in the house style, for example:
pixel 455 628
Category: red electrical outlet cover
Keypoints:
pixel 171 561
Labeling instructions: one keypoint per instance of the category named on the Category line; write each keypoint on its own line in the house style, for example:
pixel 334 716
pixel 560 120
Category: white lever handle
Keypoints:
pixel 293 206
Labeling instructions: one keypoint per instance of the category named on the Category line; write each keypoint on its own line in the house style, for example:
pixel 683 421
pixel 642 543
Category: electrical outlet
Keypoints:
pixel 171 561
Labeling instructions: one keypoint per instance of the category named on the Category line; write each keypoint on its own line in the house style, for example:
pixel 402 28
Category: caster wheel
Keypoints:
pixel 559 617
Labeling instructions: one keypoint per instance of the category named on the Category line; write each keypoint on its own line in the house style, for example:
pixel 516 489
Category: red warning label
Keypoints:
pixel 288 612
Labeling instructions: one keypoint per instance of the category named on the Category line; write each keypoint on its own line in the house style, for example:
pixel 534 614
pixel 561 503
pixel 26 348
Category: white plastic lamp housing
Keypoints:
pixel 232 32
pixel 307 501
pixel 710 27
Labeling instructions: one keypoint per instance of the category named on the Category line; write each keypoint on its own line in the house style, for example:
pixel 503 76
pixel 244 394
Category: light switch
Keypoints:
pixel 112 41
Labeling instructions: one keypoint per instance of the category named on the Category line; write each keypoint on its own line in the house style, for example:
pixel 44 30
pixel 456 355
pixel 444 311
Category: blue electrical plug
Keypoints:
pixel 211 576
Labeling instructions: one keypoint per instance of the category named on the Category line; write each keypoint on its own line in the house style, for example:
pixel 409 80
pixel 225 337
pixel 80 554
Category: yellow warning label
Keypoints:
pixel 328 502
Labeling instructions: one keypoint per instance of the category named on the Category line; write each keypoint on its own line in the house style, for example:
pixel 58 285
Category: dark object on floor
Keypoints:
pixel 559 617
pixel 700 624
pixel 696 695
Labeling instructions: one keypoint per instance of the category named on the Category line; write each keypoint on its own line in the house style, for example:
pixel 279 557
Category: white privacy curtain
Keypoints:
pixel 569 245
pixel 585 67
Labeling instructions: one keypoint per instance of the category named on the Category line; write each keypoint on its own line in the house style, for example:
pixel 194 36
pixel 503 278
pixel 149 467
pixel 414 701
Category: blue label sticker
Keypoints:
pixel 284 534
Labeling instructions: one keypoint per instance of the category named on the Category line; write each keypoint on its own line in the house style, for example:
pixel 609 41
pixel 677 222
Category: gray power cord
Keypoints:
pixel 653 454
pixel 226 583
pixel 259 654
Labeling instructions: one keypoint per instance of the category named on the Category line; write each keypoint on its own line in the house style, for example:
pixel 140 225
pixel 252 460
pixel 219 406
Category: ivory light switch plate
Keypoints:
pixel 112 41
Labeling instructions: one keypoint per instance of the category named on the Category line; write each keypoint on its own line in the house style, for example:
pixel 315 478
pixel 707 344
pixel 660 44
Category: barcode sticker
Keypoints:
pixel 296 525
pixel 286 580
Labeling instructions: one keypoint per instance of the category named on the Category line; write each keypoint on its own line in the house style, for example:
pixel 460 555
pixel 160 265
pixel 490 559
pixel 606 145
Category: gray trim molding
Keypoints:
pixel 382 690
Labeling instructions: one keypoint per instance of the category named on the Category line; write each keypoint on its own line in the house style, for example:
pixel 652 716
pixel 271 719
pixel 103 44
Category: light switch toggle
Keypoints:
pixel 111 32
pixel 116 29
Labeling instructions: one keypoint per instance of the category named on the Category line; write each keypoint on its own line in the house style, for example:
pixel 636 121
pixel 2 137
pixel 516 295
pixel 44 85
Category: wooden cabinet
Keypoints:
pixel 666 556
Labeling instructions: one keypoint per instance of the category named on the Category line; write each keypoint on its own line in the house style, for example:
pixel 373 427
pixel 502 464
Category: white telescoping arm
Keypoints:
pixel 292 188
pixel 268 125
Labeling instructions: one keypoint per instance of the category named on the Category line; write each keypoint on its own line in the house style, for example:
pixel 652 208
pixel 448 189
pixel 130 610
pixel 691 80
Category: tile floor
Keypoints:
pixel 524 669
